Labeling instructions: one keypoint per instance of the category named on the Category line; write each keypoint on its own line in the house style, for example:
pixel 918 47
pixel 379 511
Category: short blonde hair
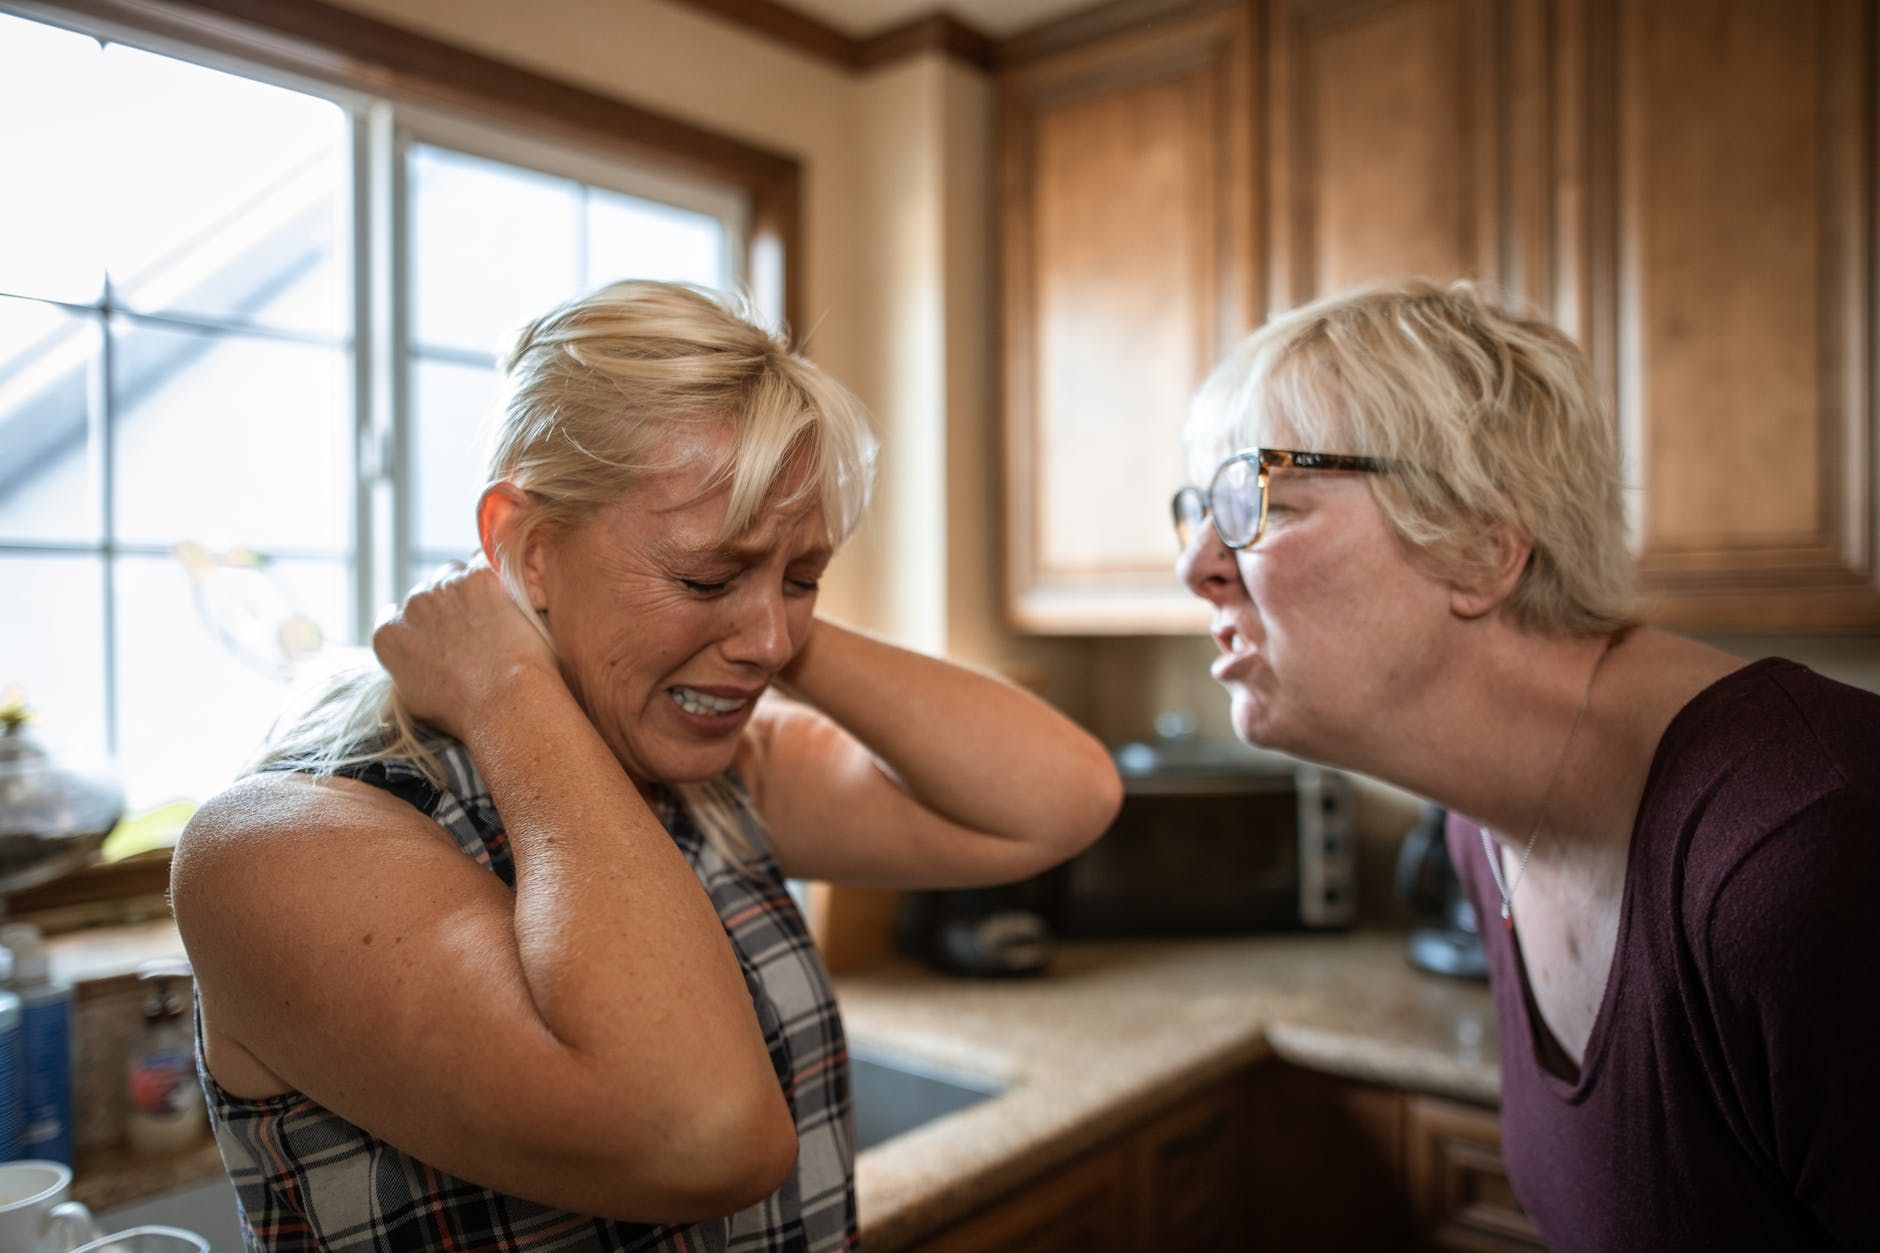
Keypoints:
pixel 597 387
pixel 1488 418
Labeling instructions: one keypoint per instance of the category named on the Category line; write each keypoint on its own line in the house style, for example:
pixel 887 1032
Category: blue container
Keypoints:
pixel 45 1048
pixel 11 1097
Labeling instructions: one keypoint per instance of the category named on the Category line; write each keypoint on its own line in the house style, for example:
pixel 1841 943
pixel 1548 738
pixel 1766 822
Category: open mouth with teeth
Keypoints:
pixel 705 705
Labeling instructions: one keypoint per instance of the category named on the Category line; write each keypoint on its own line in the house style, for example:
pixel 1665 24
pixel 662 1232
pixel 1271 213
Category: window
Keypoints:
pixel 248 342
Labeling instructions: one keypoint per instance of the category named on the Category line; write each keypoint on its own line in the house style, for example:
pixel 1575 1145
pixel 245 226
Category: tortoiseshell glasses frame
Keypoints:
pixel 1236 497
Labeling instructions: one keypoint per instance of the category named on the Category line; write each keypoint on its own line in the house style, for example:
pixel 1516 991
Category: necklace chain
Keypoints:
pixel 1502 884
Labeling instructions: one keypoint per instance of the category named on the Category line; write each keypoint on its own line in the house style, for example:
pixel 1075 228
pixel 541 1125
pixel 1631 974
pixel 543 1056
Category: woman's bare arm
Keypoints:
pixel 899 769
pixel 587 1041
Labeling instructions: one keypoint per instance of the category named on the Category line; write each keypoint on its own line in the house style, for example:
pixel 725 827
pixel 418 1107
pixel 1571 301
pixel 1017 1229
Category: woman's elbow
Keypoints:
pixel 1101 798
pixel 740 1165
pixel 1089 795
pixel 680 1157
pixel 725 1156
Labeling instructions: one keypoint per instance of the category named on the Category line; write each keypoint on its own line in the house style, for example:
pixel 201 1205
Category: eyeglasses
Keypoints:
pixel 1236 499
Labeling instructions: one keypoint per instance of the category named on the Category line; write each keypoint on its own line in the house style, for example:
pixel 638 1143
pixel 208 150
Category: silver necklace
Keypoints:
pixel 1502 884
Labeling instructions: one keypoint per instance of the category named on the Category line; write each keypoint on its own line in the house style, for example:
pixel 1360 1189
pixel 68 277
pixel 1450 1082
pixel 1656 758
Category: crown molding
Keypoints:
pixel 937 32
pixel 1082 26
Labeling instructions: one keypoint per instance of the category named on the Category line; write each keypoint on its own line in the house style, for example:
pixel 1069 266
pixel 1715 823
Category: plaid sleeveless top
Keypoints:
pixel 306 1179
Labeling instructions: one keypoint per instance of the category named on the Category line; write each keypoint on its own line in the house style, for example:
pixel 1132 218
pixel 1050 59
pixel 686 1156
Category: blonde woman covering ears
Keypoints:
pixel 1405 512
pixel 493 949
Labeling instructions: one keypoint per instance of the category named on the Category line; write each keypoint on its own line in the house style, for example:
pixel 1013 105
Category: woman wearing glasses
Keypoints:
pixel 1409 526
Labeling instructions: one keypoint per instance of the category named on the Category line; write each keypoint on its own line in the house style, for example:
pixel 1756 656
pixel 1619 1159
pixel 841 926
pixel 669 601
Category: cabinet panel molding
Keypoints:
pixel 1081 1209
pixel 1398 147
pixel 1128 251
pixel 1459 1191
pixel 1740 281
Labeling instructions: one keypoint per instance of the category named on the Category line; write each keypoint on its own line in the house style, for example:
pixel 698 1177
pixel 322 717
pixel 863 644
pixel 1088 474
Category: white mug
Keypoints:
pixel 148 1240
pixel 34 1215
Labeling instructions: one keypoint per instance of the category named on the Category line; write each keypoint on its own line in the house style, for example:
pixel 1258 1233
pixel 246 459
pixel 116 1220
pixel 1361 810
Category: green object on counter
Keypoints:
pixel 152 829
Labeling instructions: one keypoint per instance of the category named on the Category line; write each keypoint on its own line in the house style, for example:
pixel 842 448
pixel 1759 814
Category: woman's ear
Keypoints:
pixel 499 513
pixel 1495 563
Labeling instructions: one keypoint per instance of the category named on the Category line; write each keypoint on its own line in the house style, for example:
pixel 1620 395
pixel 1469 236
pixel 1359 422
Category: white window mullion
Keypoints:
pixel 99 393
pixel 380 513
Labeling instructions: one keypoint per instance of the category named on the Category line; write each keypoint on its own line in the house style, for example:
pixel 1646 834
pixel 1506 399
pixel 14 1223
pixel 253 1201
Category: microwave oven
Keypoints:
pixel 1213 839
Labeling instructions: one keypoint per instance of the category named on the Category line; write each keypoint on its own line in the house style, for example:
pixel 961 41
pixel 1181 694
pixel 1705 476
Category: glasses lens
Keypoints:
pixel 1189 512
pixel 1235 499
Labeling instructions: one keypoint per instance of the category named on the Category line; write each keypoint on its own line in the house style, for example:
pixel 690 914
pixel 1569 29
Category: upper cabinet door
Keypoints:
pixel 1732 290
pixel 1388 138
pixel 1128 239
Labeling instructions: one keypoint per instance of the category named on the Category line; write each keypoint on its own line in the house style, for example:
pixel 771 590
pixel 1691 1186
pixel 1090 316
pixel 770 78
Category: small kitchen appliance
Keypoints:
pixel 1213 838
pixel 1446 941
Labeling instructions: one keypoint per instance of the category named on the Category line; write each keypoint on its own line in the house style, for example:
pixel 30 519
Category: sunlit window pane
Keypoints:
pixel 492 246
pixel 202 670
pixel 52 645
pixel 230 440
pixel 633 238
pixel 239 192
pixel 176 287
pixel 51 169
pixel 48 488
pixel 453 413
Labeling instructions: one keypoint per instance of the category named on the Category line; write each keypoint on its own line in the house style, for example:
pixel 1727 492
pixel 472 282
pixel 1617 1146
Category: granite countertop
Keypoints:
pixel 1119 1030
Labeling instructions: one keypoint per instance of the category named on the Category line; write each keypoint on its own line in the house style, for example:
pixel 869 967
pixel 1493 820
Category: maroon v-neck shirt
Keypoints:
pixel 1730 1093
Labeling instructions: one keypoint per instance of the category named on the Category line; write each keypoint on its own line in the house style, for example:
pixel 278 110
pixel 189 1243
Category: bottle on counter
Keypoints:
pixel 45 1047
pixel 11 1106
pixel 166 1110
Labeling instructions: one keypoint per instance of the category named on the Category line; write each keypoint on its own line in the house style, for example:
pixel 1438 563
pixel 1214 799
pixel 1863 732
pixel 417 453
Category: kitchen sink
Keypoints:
pixel 894 1094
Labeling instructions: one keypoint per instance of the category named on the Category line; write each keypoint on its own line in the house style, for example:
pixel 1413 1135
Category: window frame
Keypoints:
pixel 443 94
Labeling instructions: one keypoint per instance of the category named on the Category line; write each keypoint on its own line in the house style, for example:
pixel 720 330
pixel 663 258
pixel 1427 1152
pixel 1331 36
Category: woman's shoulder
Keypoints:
pixel 1780 719
pixel 1768 777
pixel 238 833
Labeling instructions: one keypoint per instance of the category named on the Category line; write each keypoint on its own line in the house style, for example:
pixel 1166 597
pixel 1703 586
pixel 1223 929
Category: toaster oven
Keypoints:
pixel 1213 838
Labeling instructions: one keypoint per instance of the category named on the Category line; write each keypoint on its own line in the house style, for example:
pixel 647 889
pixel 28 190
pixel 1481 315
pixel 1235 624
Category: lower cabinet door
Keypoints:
pixel 1189 1167
pixel 1327 1168
pixel 1460 1193
pixel 1082 1209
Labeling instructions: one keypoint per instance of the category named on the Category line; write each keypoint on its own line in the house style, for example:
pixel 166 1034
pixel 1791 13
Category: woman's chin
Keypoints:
pixel 671 762
pixel 1252 721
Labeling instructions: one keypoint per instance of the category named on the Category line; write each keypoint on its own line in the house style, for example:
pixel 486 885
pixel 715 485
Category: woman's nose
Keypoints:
pixel 1206 566
pixel 762 634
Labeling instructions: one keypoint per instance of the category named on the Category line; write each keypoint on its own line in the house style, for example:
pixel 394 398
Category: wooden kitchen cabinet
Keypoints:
pixel 1460 1197
pixel 1684 186
pixel 1276 1158
pixel 1327 1163
pixel 1341 1165
pixel 1189 1170
pixel 1171 1182
pixel 1728 286
pixel 1128 193
pixel 1083 1207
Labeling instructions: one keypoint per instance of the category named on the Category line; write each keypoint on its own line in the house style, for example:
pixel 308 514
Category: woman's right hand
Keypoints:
pixel 455 643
